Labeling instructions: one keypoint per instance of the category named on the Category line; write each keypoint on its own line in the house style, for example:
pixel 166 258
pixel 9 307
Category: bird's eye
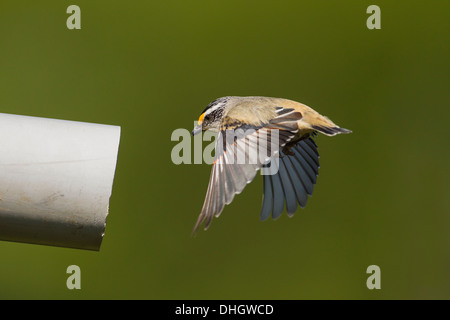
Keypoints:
pixel 207 118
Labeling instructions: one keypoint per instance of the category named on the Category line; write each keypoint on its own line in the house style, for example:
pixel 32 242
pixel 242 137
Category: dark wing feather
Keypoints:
pixel 293 182
pixel 240 155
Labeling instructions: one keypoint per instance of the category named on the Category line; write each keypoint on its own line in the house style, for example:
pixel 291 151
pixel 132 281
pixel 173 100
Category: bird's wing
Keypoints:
pixel 294 181
pixel 240 151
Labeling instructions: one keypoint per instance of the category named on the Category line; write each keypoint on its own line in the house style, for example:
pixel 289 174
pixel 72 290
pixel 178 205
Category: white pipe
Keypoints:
pixel 56 179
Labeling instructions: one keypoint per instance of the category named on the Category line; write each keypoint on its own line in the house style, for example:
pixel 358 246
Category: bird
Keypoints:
pixel 274 135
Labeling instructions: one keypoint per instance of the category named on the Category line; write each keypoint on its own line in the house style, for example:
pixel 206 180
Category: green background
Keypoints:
pixel 152 66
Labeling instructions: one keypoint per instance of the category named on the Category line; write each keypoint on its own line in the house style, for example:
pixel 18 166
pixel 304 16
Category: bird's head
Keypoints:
pixel 211 117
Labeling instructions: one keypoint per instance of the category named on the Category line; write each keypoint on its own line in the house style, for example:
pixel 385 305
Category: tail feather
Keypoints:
pixel 322 124
pixel 331 131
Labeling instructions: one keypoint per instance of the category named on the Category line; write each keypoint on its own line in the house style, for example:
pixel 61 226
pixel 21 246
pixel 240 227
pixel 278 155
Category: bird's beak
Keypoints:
pixel 197 129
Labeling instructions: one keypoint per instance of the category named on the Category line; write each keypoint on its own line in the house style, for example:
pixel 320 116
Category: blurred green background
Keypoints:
pixel 152 66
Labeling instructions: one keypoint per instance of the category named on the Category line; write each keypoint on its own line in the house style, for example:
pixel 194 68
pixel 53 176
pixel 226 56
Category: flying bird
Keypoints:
pixel 274 135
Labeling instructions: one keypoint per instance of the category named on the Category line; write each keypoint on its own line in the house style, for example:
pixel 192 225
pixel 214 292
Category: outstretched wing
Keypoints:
pixel 241 150
pixel 295 180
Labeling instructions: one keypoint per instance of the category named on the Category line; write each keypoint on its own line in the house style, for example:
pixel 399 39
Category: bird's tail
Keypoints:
pixel 330 131
pixel 324 125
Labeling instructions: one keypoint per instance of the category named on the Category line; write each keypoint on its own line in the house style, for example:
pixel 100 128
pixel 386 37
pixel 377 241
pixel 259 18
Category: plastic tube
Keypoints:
pixel 56 180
